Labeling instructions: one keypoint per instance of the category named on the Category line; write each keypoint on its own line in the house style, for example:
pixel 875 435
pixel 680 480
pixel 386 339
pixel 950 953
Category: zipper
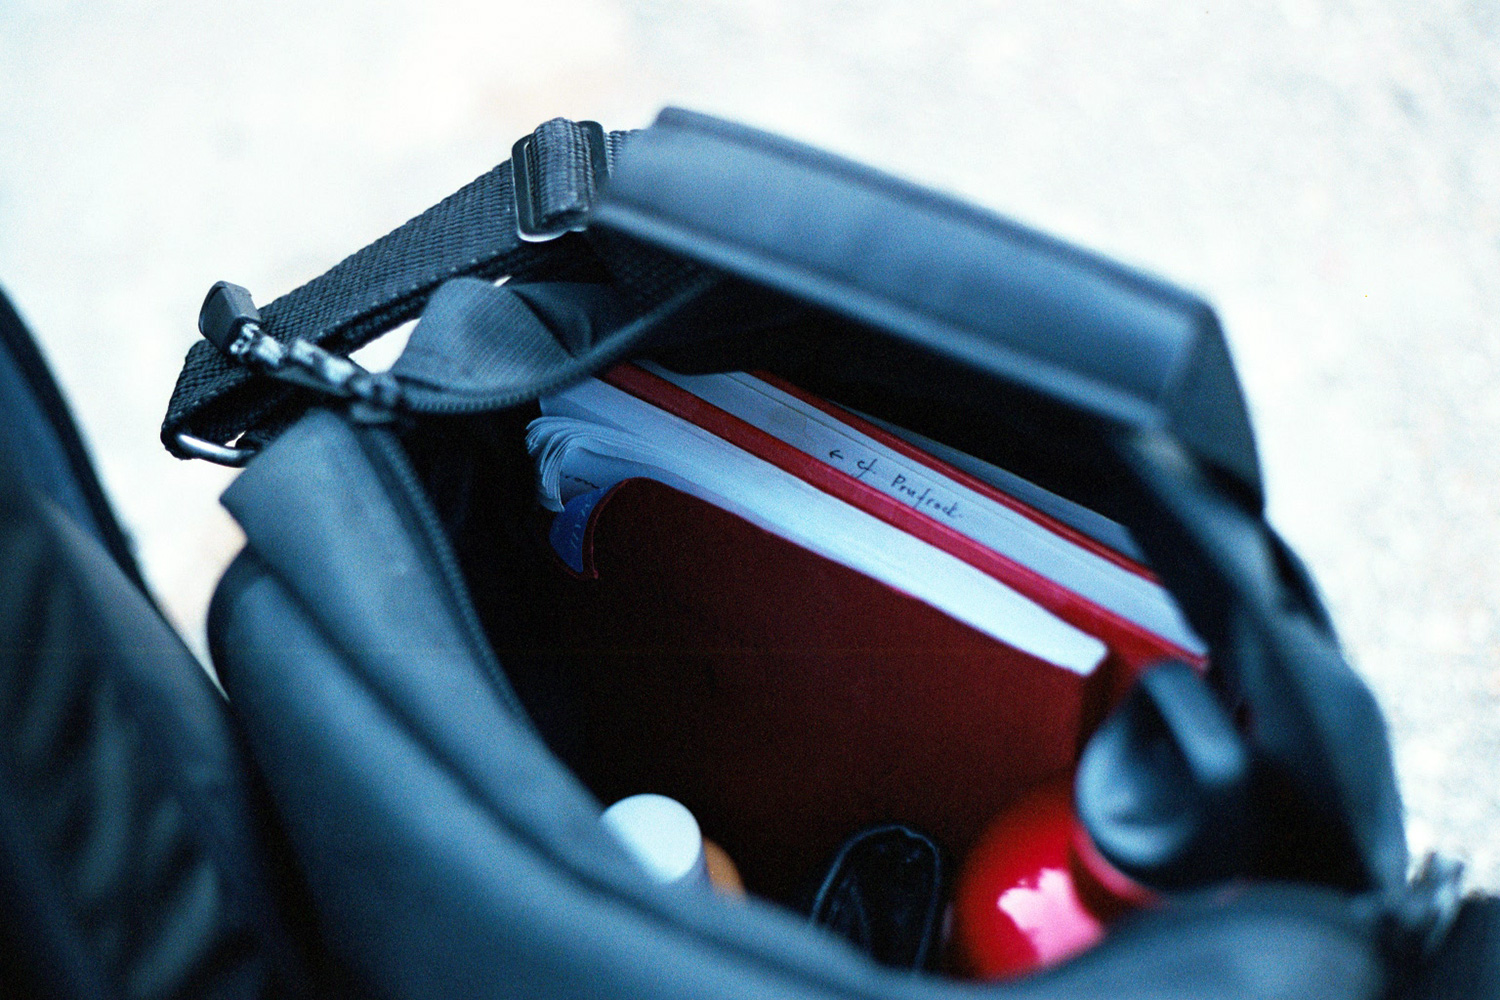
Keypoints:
pixel 375 402
pixel 386 454
pixel 411 398
pixel 230 321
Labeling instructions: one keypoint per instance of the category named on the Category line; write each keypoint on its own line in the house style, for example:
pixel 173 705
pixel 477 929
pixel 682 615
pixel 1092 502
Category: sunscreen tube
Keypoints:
pixel 662 835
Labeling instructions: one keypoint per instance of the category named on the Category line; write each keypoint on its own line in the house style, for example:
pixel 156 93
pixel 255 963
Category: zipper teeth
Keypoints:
pixel 387 453
pixel 571 373
pixel 616 348
pixel 452 407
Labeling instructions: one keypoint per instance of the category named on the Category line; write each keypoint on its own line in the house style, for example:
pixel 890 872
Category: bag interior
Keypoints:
pixel 787 701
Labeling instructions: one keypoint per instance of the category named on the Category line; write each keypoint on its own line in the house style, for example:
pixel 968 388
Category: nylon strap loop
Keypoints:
pixel 470 233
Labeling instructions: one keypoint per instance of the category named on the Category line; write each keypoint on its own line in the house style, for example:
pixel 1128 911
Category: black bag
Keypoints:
pixel 136 857
pixel 416 774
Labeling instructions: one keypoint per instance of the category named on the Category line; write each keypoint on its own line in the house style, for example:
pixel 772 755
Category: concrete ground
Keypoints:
pixel 1323 170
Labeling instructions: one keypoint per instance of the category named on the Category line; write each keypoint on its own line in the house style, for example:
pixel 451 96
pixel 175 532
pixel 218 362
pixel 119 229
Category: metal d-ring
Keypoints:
pixel 195 447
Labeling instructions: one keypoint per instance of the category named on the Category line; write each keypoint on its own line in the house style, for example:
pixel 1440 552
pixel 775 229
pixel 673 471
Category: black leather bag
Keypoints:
pixel 416 773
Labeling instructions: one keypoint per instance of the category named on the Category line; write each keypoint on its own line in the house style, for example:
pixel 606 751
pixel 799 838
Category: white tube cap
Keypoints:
pixel 661 834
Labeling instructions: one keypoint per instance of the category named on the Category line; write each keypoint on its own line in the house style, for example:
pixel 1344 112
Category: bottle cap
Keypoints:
pixel 661 834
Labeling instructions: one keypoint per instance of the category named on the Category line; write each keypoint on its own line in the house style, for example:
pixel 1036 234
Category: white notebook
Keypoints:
pixel 593 436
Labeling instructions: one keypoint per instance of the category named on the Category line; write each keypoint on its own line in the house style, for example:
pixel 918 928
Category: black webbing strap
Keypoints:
pixel 473 232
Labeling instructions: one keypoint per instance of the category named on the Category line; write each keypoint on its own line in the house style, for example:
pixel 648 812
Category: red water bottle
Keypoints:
pixel 1034 891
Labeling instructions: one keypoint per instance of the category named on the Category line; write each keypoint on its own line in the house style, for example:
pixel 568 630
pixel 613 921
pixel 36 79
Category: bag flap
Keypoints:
pixel 955 280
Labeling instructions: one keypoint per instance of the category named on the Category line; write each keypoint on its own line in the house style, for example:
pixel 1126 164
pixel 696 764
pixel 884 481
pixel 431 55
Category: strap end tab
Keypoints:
pixel 226 310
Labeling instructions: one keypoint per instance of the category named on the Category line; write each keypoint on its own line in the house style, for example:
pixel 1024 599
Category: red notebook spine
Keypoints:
pixel 1135 644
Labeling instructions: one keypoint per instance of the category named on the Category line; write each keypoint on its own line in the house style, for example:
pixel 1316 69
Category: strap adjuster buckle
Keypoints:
pixel 545 212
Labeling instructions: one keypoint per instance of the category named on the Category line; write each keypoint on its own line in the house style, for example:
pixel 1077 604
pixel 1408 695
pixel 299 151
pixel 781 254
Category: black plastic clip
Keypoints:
pixel 562 206
pixel 230 321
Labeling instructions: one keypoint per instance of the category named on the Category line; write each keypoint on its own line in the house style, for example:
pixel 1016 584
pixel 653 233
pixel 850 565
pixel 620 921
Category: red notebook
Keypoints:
pixel 789 700
pixel 1132 645
pixel 786 699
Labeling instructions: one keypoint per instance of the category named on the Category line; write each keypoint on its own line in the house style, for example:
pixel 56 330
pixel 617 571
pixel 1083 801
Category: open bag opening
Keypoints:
pixel 664 644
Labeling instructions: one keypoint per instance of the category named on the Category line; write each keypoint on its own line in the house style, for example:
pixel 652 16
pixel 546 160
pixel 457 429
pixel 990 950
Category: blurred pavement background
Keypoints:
pixel 1326 171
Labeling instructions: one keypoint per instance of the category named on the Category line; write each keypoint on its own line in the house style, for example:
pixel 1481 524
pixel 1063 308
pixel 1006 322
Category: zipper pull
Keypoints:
pixel 230 321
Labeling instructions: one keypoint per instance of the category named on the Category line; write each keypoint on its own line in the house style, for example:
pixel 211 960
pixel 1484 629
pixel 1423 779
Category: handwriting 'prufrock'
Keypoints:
pixel 901 485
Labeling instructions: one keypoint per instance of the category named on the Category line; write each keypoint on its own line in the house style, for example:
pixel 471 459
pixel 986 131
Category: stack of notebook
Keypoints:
pixel 802 622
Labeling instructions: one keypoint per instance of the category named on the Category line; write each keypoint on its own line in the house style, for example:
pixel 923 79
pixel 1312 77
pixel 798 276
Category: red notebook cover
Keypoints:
pixel 1132 646
pixel 786 699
